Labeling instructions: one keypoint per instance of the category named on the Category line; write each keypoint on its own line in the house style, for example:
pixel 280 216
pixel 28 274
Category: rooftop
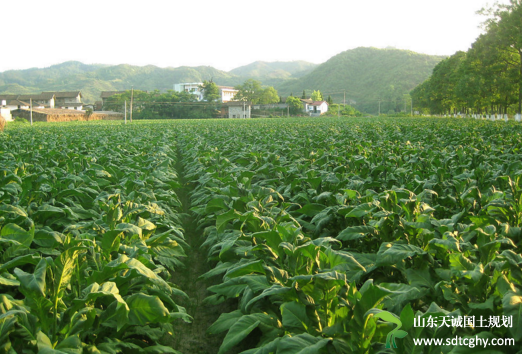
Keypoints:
pixel 317 103
pixel 36 96
pixel 56 111
pixel 16 103
pixel 8 97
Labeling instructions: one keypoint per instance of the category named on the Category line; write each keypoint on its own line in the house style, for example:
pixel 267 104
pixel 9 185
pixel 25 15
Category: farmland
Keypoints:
pixel 259 236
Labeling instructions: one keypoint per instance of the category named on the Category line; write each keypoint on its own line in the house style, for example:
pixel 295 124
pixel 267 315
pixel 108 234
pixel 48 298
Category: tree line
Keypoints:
pixel 178 105
pixel 161 105
pixel 487 79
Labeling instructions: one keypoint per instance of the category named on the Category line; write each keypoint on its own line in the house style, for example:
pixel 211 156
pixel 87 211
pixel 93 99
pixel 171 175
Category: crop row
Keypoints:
pixel 89 236
pixel 316 227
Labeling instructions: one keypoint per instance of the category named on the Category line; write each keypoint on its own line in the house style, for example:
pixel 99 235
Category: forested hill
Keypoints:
pixel 92 79
pixel 275 70
pixel 367 75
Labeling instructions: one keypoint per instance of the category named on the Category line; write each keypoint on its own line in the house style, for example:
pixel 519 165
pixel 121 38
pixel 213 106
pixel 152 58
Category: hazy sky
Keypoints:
pixel 229 33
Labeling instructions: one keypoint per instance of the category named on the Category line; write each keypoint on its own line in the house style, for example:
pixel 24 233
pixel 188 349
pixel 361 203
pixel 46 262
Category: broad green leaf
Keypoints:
pixel 223 219
pixel 146 225
pixel 16 233
pixel 216 204
pixel 144 309
pixel 420 278
pixel 245 268
pixel 407 317
pixel 460 262
pixel 21 260
pixel 48 238
pixel 63 269
pixel 11 281
pixel 129 229
pixel 33 284
pixel 393 253
pixel 400 294
pixel 43 341
pixel 6 209
pixel 356 232
pixel 372 296
pixel 255 282
pixel 294 315
pixel 230 288
pixel 361 210
pixel 239 330
pixel 111 241
pixel 301 344
pixel 311 209
pixel 275 289
pixel 225 322
pixel 47 212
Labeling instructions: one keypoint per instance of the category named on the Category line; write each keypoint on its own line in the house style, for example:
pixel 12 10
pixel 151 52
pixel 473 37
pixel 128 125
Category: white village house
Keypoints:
pixel 236 109
pixel 48 100
pixel 68 100
pixel 227 93
pixel 190 87
pixel 44 99
pixel 314 108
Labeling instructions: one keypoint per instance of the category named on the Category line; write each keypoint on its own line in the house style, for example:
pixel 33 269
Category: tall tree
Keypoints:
pixel 210 91
pixel 317 96
pixel 329 100
pixel 250 91
pixel 269 95
pixel 506 21
pixel 443 83
pixel 295 105
pixel 304 95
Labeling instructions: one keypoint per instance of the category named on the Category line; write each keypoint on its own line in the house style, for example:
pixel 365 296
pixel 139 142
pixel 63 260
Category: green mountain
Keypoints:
pixel 366 76
pixel 274 70
pixel 362 75
pixel 93 79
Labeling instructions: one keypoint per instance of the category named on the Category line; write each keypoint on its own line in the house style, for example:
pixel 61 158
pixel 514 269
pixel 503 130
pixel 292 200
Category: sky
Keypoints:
pixel 229 33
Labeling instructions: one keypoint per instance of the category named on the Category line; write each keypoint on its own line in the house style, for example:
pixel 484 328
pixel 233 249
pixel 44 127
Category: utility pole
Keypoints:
pixel 287 110
pixel 132 98
pixel 344 100
pixel 125 111
pixel 379 107
pixel 31 111
pixel 411 106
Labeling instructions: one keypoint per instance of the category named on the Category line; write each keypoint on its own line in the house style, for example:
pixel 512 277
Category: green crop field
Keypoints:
pixel 285 236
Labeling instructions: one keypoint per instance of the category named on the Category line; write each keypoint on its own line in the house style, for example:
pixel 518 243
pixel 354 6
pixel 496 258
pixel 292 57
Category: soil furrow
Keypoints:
pixel 192 338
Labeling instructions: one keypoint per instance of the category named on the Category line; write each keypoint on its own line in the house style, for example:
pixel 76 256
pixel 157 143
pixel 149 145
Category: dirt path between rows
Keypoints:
pixel 192 338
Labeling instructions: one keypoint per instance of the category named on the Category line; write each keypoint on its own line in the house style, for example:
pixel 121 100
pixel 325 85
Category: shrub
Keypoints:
pixel 20 120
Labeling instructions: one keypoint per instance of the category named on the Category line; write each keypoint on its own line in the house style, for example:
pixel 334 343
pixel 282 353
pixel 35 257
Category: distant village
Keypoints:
pixel 68 106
